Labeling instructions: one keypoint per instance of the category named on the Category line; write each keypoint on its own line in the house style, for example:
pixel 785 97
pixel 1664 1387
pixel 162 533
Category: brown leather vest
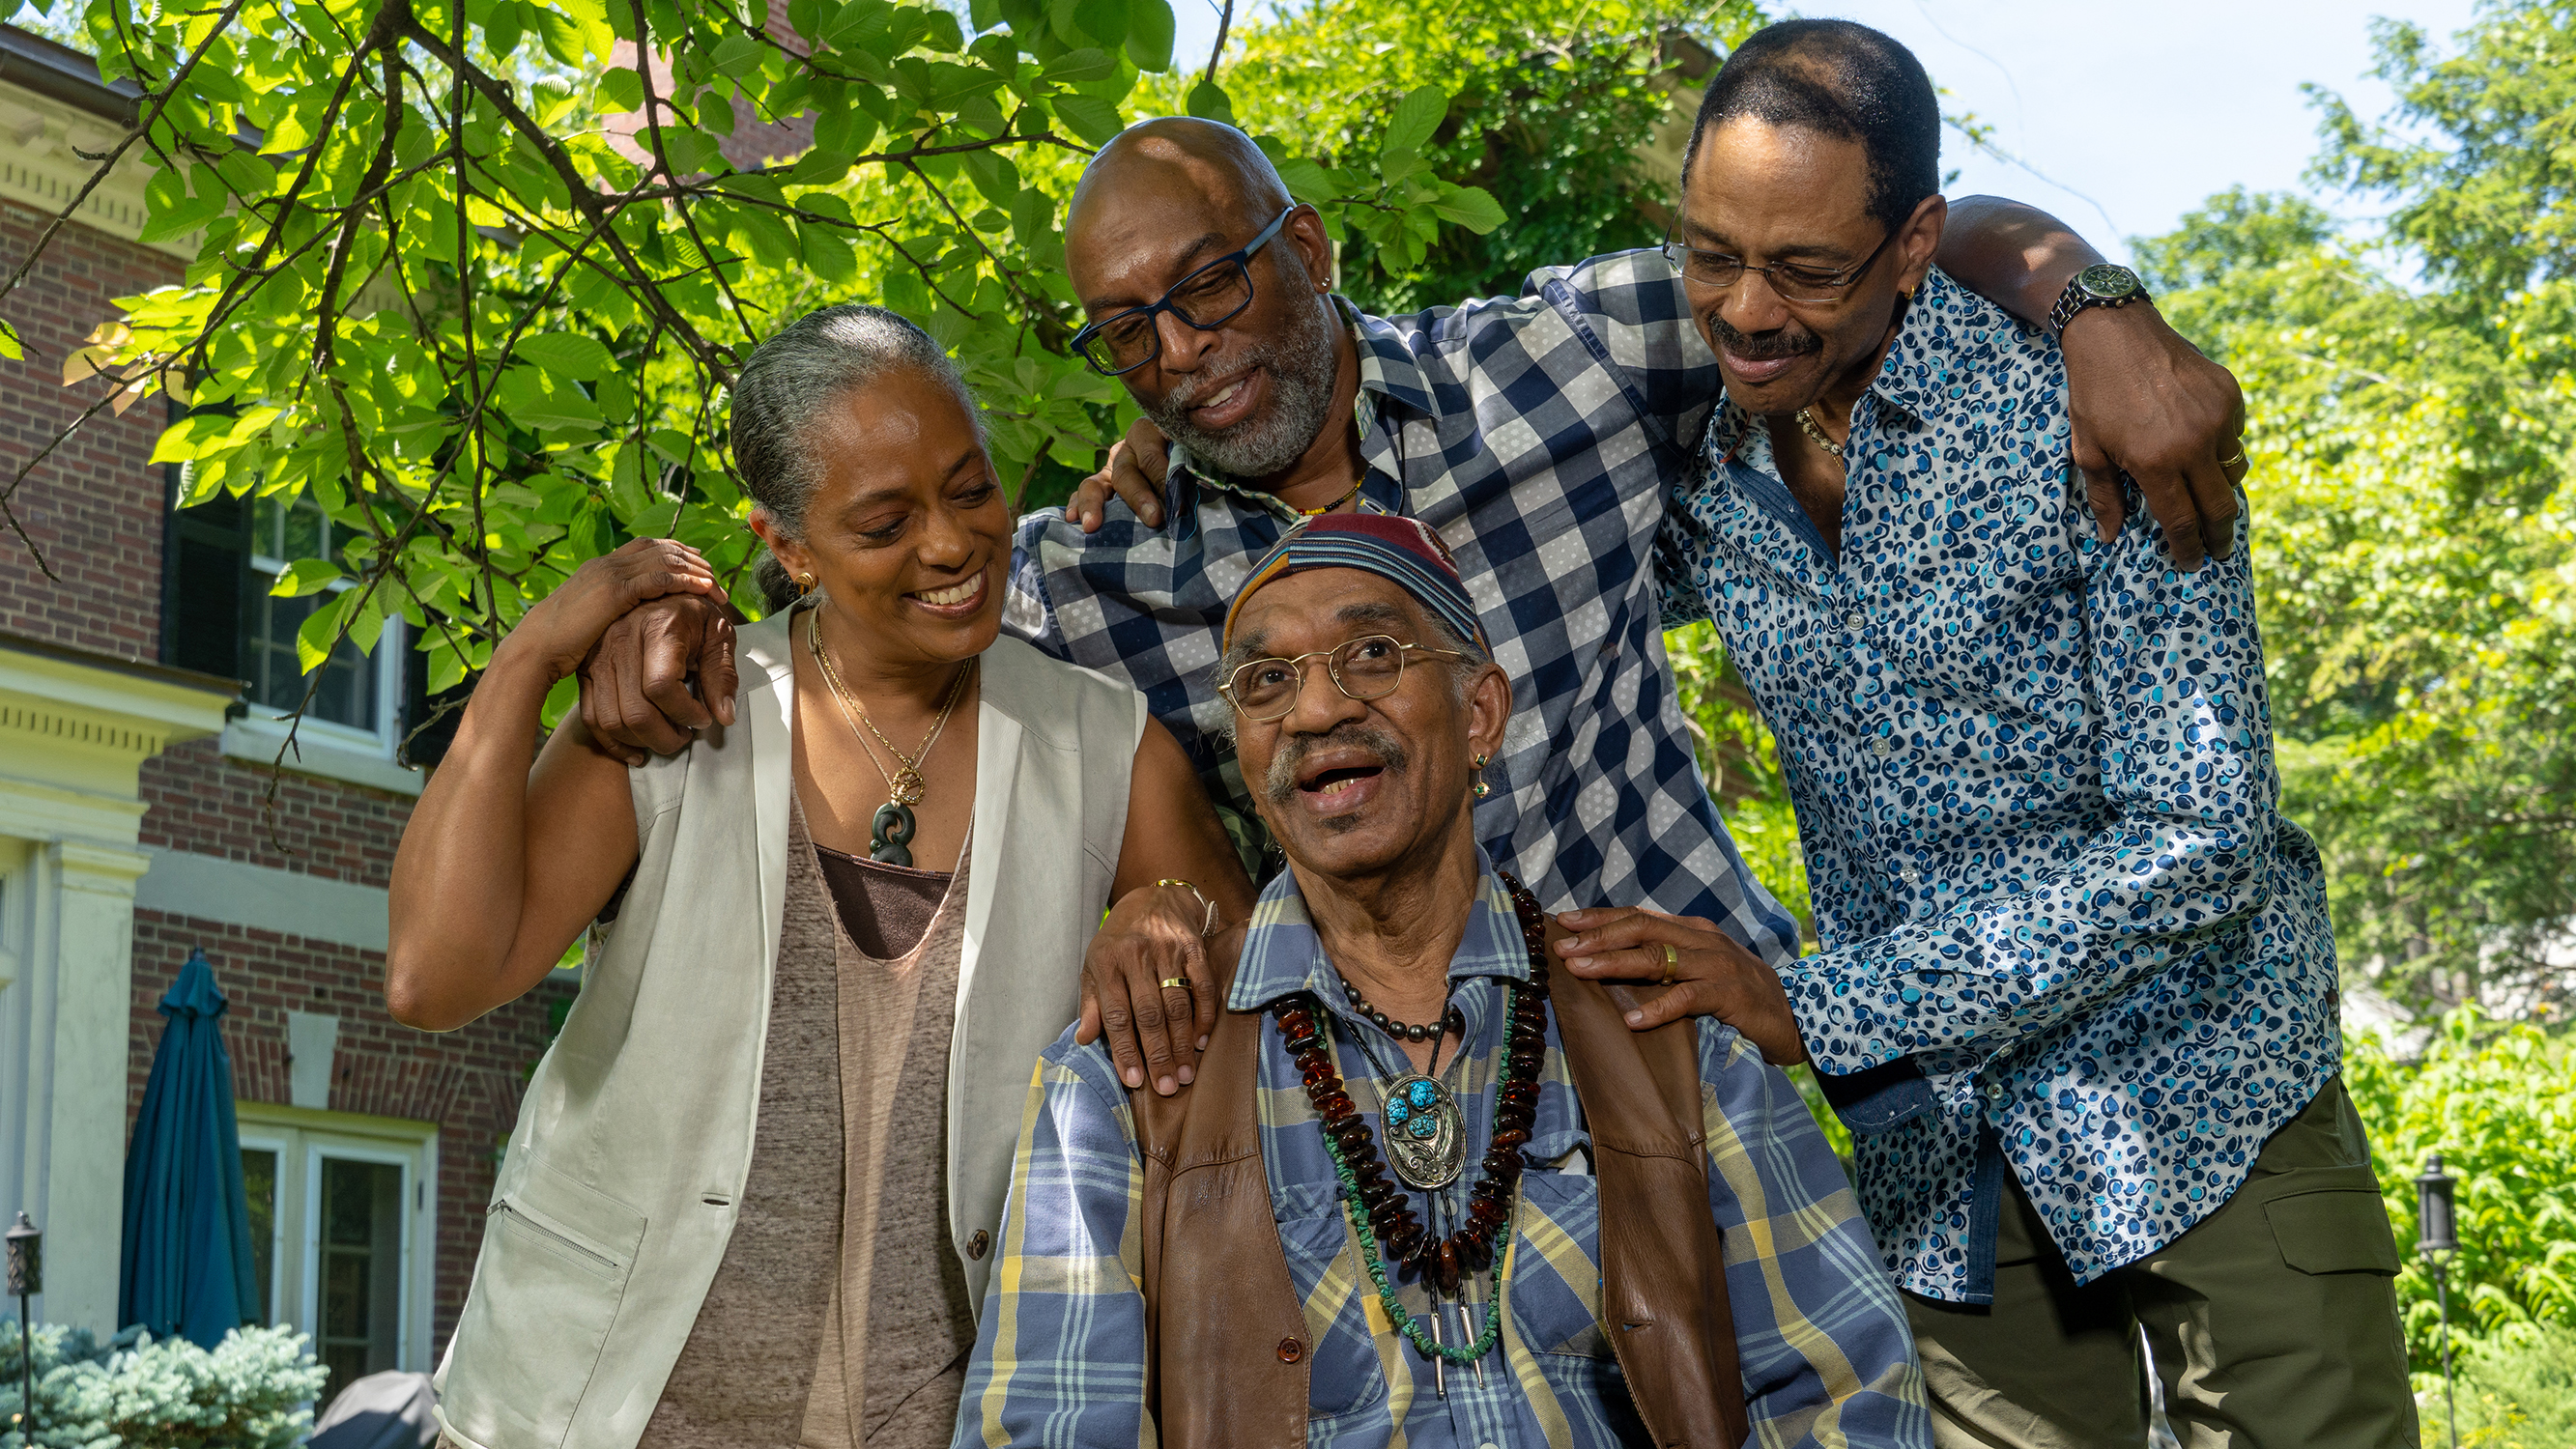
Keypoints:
pixel 1225 1335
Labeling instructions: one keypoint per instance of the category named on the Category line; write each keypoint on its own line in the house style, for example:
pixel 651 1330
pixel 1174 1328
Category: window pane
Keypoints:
pixel 361 1262
pixel 259 1185
pixel 348 692
pixel 287 533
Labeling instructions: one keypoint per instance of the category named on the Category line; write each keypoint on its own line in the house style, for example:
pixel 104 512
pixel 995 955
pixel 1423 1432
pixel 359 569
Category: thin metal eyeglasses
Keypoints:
pixel 1368 667
pixel 1206 299
pixel 1793 281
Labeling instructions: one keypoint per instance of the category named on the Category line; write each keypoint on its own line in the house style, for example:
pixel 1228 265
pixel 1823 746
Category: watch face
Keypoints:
pixel 2107 280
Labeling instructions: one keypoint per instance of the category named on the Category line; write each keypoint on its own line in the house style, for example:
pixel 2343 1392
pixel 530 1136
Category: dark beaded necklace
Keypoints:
pixel 1386 1225
pixel 1397 1029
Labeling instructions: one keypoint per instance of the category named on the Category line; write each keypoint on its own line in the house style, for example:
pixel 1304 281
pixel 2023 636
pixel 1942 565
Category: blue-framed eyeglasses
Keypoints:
pixel 1206 299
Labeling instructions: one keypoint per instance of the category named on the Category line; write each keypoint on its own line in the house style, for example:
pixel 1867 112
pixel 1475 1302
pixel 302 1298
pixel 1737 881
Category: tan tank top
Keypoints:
pixel 847 1200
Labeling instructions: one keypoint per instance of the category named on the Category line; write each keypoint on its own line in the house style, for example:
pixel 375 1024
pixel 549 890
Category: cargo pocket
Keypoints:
pixel 2334 1229
pixel 556 1255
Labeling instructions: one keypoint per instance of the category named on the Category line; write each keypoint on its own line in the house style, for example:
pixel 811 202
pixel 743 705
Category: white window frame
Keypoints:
pixel 302 1137
pixel 387 661
pixel 282 1144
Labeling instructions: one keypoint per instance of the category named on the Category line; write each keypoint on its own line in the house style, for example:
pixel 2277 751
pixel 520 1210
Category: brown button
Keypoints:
pixel 1290 1350
pixel 978 1245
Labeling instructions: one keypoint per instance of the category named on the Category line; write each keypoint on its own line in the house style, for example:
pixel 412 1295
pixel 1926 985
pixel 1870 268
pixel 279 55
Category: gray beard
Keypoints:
pixel 1301 366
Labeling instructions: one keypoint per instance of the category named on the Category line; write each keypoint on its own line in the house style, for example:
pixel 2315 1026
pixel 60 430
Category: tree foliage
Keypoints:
pixel 2499 1105
pixel 1553 100
pixel 475 280
pixel 2413 423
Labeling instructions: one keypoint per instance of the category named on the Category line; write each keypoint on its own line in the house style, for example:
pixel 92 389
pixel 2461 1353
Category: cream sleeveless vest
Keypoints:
pixel 618 1194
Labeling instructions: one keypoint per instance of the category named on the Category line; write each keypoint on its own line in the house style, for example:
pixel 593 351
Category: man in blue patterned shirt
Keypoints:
pixel 2077 997
pixel 1422 1193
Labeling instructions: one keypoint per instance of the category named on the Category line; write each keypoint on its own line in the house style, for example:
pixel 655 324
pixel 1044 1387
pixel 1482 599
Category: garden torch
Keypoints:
pixel 2436 1239
pixel 26 1279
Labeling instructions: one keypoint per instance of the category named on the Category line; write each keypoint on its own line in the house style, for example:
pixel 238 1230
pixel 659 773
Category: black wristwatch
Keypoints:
pixel 2104 284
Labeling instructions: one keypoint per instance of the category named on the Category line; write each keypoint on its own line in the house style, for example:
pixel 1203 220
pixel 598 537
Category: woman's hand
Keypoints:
pixel 1711 974
pixel 1152 935
pixel 554 636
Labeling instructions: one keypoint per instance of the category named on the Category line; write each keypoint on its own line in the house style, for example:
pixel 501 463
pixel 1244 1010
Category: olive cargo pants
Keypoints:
pixel 2273 1321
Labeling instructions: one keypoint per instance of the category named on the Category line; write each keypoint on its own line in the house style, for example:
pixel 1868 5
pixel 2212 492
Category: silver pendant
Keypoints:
pixel 1425 1142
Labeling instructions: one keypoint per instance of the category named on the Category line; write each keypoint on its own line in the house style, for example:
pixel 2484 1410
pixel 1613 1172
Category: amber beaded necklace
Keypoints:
pixel 1384 1221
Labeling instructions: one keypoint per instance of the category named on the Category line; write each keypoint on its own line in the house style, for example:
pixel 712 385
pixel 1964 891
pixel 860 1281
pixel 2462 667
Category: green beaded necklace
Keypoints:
pixel 1487 1234
pixel 1396 1313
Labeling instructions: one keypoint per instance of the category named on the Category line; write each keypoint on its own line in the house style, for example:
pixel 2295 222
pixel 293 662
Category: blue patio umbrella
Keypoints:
pixel 187 1266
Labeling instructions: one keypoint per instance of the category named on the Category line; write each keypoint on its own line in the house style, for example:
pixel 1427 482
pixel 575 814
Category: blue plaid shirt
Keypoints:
pixel 1060 1354
pixel 1540 437
pixel 2065 927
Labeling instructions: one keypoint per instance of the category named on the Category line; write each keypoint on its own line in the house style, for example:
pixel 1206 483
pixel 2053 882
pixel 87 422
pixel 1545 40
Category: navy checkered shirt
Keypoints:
pixel 1540 435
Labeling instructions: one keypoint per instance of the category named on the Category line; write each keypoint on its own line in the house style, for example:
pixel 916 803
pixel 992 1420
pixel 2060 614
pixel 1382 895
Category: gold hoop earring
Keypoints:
pixel 804 584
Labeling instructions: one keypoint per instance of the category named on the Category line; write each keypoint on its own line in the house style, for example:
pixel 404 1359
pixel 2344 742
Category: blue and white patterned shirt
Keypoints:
pixel 2034 781
pixel 1060 1353
pixel 1540 436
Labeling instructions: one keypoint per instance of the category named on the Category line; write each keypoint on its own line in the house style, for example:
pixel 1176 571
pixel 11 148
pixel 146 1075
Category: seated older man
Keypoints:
pixel 1421 1184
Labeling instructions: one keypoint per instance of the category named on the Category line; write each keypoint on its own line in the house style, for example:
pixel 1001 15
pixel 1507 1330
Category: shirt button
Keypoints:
pixel 1997 1091
pixel 978 1245
pixel 1911 876
pixel 1855 621
pixel 1290 1350
pixel 1882 746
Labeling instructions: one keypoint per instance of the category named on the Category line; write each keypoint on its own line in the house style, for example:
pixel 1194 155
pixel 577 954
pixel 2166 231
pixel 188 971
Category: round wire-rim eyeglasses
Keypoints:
pixel 1095 348
pixel 1341 662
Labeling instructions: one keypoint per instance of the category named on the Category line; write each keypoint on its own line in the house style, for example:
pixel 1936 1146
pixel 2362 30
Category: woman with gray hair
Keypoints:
pixel 754 1189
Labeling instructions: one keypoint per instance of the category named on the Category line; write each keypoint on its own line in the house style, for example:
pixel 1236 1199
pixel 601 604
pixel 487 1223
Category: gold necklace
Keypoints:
pixel 893 827
pixel 1329 507
pixel 1808 422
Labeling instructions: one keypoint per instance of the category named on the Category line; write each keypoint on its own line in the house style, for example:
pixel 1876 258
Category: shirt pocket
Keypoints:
pixel 1555 1290
pixel 1345 1376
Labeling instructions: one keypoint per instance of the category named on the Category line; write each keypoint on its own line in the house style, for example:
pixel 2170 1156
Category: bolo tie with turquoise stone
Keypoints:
pixel 1426 1145
pixel 890 832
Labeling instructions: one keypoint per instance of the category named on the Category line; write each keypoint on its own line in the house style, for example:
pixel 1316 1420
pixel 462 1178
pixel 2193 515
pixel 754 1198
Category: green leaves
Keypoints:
pixel 182 206
pixel 1089 117
pixel 568 355
pixel 1469 206
pixel 306 576
pixel 1415 118
pixel 480 400
pixel 1149 34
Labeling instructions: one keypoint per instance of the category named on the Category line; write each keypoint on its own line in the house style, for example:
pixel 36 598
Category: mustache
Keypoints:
pixel 1281 781
pixel 1186 393
pixel 1790 341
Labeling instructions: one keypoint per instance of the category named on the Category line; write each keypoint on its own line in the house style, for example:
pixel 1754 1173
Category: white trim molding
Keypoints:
pixel 242 893
pixel 75 727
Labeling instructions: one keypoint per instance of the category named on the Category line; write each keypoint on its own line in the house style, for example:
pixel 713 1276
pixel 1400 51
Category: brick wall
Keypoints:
pixel 95 506
pixel 466 1081
pixel 201 802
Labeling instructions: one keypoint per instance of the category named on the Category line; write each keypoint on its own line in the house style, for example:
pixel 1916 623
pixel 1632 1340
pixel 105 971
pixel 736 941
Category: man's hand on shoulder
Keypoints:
pixel 1138 464
pixel 2145 402
pixel 635 683
pixel 1706 973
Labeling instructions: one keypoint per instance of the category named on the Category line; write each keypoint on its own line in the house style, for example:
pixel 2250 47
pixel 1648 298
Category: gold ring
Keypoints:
pixel 1182 982
pixel 2232 462
pixel 1672 964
